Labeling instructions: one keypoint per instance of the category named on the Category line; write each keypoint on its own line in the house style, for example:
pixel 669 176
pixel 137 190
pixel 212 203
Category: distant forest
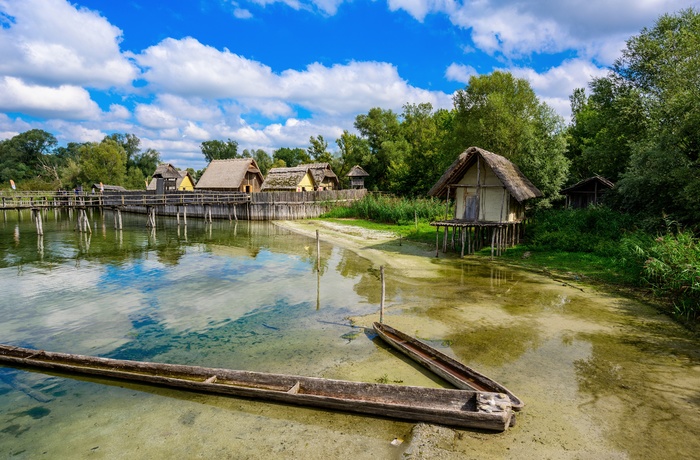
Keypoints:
pixel 639 126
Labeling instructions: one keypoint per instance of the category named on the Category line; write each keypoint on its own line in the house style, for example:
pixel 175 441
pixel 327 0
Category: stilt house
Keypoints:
pixel 165 179
pixel 357 177
pixel 489 193
pixel 183 182
pixel 232 175
pixel 587 192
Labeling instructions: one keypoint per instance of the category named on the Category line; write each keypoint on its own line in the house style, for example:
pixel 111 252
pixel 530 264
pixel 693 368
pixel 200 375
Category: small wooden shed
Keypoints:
pixel 587 192
pixel 489 193
pixel 235 174
pixel 295 179
pixel 357 177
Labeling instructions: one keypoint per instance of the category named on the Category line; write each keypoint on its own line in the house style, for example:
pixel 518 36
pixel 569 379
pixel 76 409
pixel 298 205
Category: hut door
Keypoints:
pixel 470 208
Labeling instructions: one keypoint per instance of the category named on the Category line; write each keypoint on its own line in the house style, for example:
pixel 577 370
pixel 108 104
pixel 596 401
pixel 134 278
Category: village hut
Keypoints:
pixel 183 182
pixel 357 177
pixel 233 175
pixel 324 176
pixel 489 193
pixel 588 192
pixel 100 187
pixel 295 179
pixel 164 179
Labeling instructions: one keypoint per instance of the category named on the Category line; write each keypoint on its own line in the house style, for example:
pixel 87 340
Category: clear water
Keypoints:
pixel 602 376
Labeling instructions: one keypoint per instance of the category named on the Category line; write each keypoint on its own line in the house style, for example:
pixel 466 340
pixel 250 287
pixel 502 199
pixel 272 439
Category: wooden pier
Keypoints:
pixel 471 237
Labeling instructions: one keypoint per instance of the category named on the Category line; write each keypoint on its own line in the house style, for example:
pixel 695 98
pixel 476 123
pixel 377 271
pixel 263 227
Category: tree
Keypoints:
pixel 502 114
pixel 263 160
pixel 130 143
pixel 290 157
pixel 219 150
pixel 353 151
pixel 147 162
pixel 381 129
pixel 661 67
pixel 318 150
pixel 22 156
pixel 104 162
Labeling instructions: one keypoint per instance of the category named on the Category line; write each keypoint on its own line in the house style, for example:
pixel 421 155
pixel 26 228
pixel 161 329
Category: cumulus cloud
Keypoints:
pixel 65 101
pixel 460 72
pixel 555 85
pixel 52 42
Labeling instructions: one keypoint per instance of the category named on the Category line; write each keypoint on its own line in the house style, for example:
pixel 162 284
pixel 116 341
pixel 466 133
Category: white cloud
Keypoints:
pixel 460 72
pixel 65 101
pixel 555 85
pixel 154 117
pixel 241 13
pixel 52 42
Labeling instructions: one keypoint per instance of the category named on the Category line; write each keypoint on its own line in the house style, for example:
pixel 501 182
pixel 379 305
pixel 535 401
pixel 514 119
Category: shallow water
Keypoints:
pixel 602 376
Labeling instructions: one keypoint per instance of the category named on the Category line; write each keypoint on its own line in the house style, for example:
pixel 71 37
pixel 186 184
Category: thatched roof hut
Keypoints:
pixel 294 179
pixel 357 177
pixel 486 187
pixel 184 181
pixel 236 174
pixel 324 176
pixel 587 192
pixel 167 176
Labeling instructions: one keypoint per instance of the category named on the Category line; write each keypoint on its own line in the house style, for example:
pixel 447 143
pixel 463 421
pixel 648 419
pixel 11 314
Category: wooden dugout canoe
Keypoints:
pixel 468 409
pixel 450 369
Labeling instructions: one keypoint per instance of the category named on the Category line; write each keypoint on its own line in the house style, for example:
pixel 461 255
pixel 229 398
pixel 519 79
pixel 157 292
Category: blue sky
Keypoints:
pixel 272 73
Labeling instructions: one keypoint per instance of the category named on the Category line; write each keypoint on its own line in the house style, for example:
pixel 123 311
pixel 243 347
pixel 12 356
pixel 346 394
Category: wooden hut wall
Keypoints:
pixel 495 203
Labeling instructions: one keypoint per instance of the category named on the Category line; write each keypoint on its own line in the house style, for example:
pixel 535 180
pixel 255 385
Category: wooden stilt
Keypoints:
pixel 381 303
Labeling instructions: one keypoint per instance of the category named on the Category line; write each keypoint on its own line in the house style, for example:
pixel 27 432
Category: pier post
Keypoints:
pixel 381 303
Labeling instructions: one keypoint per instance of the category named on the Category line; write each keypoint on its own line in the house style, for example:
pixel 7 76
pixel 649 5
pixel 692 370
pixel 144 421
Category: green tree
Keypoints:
pixel 661 66
pixel 318 150
pixel 262 158
pixel 353 150
pixel 502 114
pixel 135 179
pixel 104 162
pixel 22 156
pixel 219 150
pixel 147 162
pixel 382 130
pixel 290 157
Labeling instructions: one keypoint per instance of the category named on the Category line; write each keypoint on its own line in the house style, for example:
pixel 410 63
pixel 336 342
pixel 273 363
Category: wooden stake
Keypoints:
pixel 381 303
pixel 318 252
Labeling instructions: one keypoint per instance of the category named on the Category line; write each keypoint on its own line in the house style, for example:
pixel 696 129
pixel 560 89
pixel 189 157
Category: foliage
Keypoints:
pixel 290 157
pixel 672 268
pixel 318 150
pixel 219 150
pixel 642 122
pixel 390 209
pixel 502 114
pixel 104 162
pixel 21 156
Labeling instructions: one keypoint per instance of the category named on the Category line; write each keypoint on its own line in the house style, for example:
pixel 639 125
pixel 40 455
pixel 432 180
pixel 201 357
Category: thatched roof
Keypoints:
pixel 227 174
pixel 285 178
pixel 321 172
pixel 109 188
pixel 166 171
pixel 510 176
pixel 181 176
pixel 585 183
pixel 357 171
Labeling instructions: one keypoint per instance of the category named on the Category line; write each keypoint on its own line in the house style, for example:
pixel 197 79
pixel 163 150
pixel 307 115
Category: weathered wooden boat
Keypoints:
pixel 469 409
pixel 448 368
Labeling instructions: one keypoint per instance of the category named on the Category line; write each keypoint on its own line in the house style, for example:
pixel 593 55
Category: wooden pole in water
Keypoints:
pixel 437 241
pixel 381 303
pixel 318 252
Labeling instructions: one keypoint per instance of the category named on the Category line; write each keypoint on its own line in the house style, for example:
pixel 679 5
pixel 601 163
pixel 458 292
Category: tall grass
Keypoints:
pixel 390 209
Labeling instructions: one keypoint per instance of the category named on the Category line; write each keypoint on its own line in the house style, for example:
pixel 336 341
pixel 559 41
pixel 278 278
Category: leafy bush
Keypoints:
pixel 390 209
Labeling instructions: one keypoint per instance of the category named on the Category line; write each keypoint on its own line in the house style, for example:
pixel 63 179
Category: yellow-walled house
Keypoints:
pixel 296 179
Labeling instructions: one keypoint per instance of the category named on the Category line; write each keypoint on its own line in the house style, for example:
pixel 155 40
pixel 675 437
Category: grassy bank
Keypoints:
pixel 595 244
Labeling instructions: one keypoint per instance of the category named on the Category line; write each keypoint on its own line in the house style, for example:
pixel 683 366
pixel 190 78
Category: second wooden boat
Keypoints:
pixel 448 368
pixel 470 409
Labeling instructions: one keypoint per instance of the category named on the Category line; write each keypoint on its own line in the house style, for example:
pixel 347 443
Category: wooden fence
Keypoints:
pixel 202 204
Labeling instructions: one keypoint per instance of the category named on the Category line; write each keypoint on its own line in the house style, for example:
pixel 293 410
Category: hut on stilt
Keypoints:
pixel 489 194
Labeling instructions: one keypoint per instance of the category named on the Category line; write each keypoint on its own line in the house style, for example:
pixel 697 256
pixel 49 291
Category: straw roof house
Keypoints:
pixel 183 181
pixel 236 174
pixel 587 192
pixel 167 175
pixel 486 187
pixel 324 176
pixel 295 179
pixel 357 177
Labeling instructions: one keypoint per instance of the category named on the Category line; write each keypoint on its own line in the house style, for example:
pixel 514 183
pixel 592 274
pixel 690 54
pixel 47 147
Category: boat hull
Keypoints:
pixel 434 405
pixel 458 374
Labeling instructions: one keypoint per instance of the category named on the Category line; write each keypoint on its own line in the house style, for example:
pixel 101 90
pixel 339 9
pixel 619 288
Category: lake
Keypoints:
pixel 602 376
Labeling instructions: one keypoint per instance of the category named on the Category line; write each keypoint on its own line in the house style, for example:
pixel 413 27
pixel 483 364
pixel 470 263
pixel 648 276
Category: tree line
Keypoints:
pixel 638 126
